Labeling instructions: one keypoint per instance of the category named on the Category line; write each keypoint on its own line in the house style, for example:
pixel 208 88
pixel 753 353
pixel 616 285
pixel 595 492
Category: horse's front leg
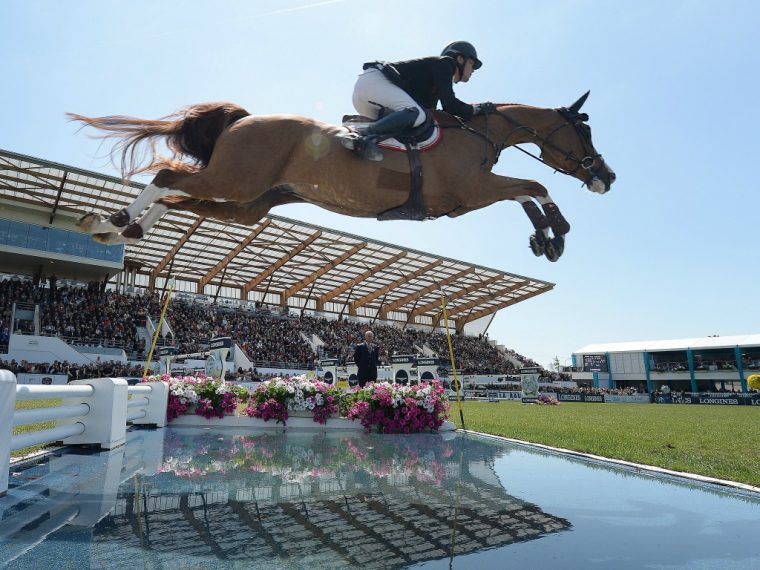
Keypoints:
pixel 542 242
pixel 549 224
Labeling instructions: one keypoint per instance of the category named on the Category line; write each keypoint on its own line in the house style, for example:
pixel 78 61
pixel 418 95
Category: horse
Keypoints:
pixel 233 166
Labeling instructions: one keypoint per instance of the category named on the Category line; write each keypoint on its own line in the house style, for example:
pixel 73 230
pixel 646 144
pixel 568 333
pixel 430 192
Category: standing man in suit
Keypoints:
pixel 365 358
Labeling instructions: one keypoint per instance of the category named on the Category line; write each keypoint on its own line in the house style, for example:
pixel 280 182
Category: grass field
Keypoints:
pixel 716 441
pixel 27 404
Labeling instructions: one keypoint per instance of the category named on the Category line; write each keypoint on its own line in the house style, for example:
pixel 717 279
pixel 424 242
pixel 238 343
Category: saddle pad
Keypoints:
pixel 394 144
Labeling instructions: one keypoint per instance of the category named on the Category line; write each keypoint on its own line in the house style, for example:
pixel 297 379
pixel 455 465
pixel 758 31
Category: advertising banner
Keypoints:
pixel 597 398
pixel 529 381
pixel 634 399
pixel 710 398
pixel 44 379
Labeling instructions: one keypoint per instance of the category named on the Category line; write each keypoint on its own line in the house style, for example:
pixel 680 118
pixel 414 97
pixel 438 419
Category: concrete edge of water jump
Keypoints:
pixel 622 463
pixel 35 454
pixel 301 423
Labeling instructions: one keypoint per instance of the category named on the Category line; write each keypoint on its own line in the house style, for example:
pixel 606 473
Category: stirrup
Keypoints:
pixel 362 146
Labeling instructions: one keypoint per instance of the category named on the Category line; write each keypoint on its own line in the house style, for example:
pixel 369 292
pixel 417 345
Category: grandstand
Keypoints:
pixel 708 364
pixel 287 292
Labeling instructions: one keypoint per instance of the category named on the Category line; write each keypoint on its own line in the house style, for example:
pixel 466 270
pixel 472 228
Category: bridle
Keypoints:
pixel 572 119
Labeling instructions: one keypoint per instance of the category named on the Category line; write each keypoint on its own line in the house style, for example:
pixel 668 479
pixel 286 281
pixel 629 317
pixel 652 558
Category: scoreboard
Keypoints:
pixel 595 363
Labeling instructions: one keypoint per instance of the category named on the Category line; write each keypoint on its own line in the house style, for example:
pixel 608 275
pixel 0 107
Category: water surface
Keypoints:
pixel 220 498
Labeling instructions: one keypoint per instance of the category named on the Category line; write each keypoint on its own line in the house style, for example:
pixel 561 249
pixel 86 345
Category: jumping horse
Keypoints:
pixel 233 166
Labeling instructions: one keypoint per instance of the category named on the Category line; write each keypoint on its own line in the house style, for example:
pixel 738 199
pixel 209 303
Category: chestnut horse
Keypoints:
pixel 245 165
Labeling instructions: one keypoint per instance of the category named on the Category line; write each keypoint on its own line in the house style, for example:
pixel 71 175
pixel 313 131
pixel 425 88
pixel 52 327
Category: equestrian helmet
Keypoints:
pixel 465 49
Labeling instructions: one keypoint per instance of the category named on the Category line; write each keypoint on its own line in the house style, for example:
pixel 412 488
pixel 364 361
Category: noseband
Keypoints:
pixel 572 118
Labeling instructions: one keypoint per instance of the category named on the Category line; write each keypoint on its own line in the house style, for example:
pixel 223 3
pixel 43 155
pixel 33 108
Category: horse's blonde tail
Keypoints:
pixel 189 133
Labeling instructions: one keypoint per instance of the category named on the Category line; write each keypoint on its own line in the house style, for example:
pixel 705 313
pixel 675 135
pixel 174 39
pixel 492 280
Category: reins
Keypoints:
pixel 587 162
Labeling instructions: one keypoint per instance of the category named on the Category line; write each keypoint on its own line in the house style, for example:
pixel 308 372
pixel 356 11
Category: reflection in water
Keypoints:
pixel 335 501
pixel 219 498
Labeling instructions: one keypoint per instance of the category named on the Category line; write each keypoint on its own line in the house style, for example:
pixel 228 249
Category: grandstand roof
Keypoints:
pixel 277 260
pixel 674 344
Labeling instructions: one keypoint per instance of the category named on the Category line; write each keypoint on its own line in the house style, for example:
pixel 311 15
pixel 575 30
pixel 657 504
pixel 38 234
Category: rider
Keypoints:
pixel 399 93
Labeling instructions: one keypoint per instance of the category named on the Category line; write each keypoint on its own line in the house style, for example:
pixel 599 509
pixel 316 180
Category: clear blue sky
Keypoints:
pixel 671 251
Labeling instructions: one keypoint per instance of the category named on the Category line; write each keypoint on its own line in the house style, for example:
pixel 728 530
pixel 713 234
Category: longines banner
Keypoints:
pixel 634 399
pixel 598 398
pixel 715 398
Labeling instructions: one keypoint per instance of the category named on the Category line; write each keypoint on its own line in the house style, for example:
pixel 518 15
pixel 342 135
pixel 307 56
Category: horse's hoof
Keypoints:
pixel 537 244
pixel 559 244
pixel 119 219
pixel 109 238
pixel 551 252
pixel 87 222
pixel 133 231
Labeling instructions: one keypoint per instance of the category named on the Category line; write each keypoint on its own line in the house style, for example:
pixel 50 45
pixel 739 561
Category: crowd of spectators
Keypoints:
pixel 264 337
pixel 87 315
pixel 97 316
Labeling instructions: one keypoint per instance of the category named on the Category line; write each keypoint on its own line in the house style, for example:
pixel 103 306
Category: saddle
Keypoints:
pixel 413 142
pixel 422 138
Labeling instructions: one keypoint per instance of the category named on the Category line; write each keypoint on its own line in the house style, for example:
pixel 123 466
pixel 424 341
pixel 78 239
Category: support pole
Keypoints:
pixel 158 330
pixel 451 355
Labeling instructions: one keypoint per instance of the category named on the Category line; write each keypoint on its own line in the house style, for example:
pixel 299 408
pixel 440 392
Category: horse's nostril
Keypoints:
pixel 613 176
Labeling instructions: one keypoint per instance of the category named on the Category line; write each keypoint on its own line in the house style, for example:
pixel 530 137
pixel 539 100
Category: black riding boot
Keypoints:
pixel 365 140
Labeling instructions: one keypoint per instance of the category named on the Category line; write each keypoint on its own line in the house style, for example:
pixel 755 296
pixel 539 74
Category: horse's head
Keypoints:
pixel 568 148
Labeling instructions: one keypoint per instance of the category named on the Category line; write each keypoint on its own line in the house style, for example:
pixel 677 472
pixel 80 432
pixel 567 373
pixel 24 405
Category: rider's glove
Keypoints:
pixel 484 108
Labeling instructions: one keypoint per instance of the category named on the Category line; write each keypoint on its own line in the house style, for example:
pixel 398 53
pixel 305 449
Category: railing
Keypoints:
pixel 75 489
pixel 93 341
pixel 93 411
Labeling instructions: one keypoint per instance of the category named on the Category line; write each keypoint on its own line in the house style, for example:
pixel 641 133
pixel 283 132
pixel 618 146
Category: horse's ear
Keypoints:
pixel 575 107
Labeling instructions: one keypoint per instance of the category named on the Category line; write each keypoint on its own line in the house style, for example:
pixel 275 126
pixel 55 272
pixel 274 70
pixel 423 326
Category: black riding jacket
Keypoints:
pixel 427 80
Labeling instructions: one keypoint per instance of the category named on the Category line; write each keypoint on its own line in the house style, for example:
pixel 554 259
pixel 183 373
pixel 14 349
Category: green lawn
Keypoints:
pixel 716 441
pixel 27 404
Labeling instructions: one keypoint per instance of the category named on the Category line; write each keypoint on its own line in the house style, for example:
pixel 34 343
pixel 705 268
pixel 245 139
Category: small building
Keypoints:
pixel 707 364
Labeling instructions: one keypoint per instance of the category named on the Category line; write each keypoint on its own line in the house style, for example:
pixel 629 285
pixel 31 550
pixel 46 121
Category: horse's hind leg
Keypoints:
pixel 135 231
pixel 246 213
pixel 159 188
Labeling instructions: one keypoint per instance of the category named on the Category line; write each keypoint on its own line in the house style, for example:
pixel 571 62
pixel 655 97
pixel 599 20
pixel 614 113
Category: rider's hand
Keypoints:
pixel 484 108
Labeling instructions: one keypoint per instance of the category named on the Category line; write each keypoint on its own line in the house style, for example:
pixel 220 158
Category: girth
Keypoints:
pixel 414 208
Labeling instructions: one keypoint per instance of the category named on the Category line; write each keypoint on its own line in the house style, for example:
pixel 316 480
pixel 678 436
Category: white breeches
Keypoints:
pixel 373 86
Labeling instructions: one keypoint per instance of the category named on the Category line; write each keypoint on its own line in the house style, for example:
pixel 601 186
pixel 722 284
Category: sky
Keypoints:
pixel 670 252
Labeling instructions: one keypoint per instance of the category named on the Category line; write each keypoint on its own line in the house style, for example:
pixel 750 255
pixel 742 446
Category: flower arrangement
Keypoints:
pixel 547 400
pixel 381 406
pixel 274 399
pixel 394 408
pixel 208 397
pixel 753 382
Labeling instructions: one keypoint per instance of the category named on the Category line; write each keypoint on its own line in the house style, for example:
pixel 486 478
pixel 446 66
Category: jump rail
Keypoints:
pixel 93 411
